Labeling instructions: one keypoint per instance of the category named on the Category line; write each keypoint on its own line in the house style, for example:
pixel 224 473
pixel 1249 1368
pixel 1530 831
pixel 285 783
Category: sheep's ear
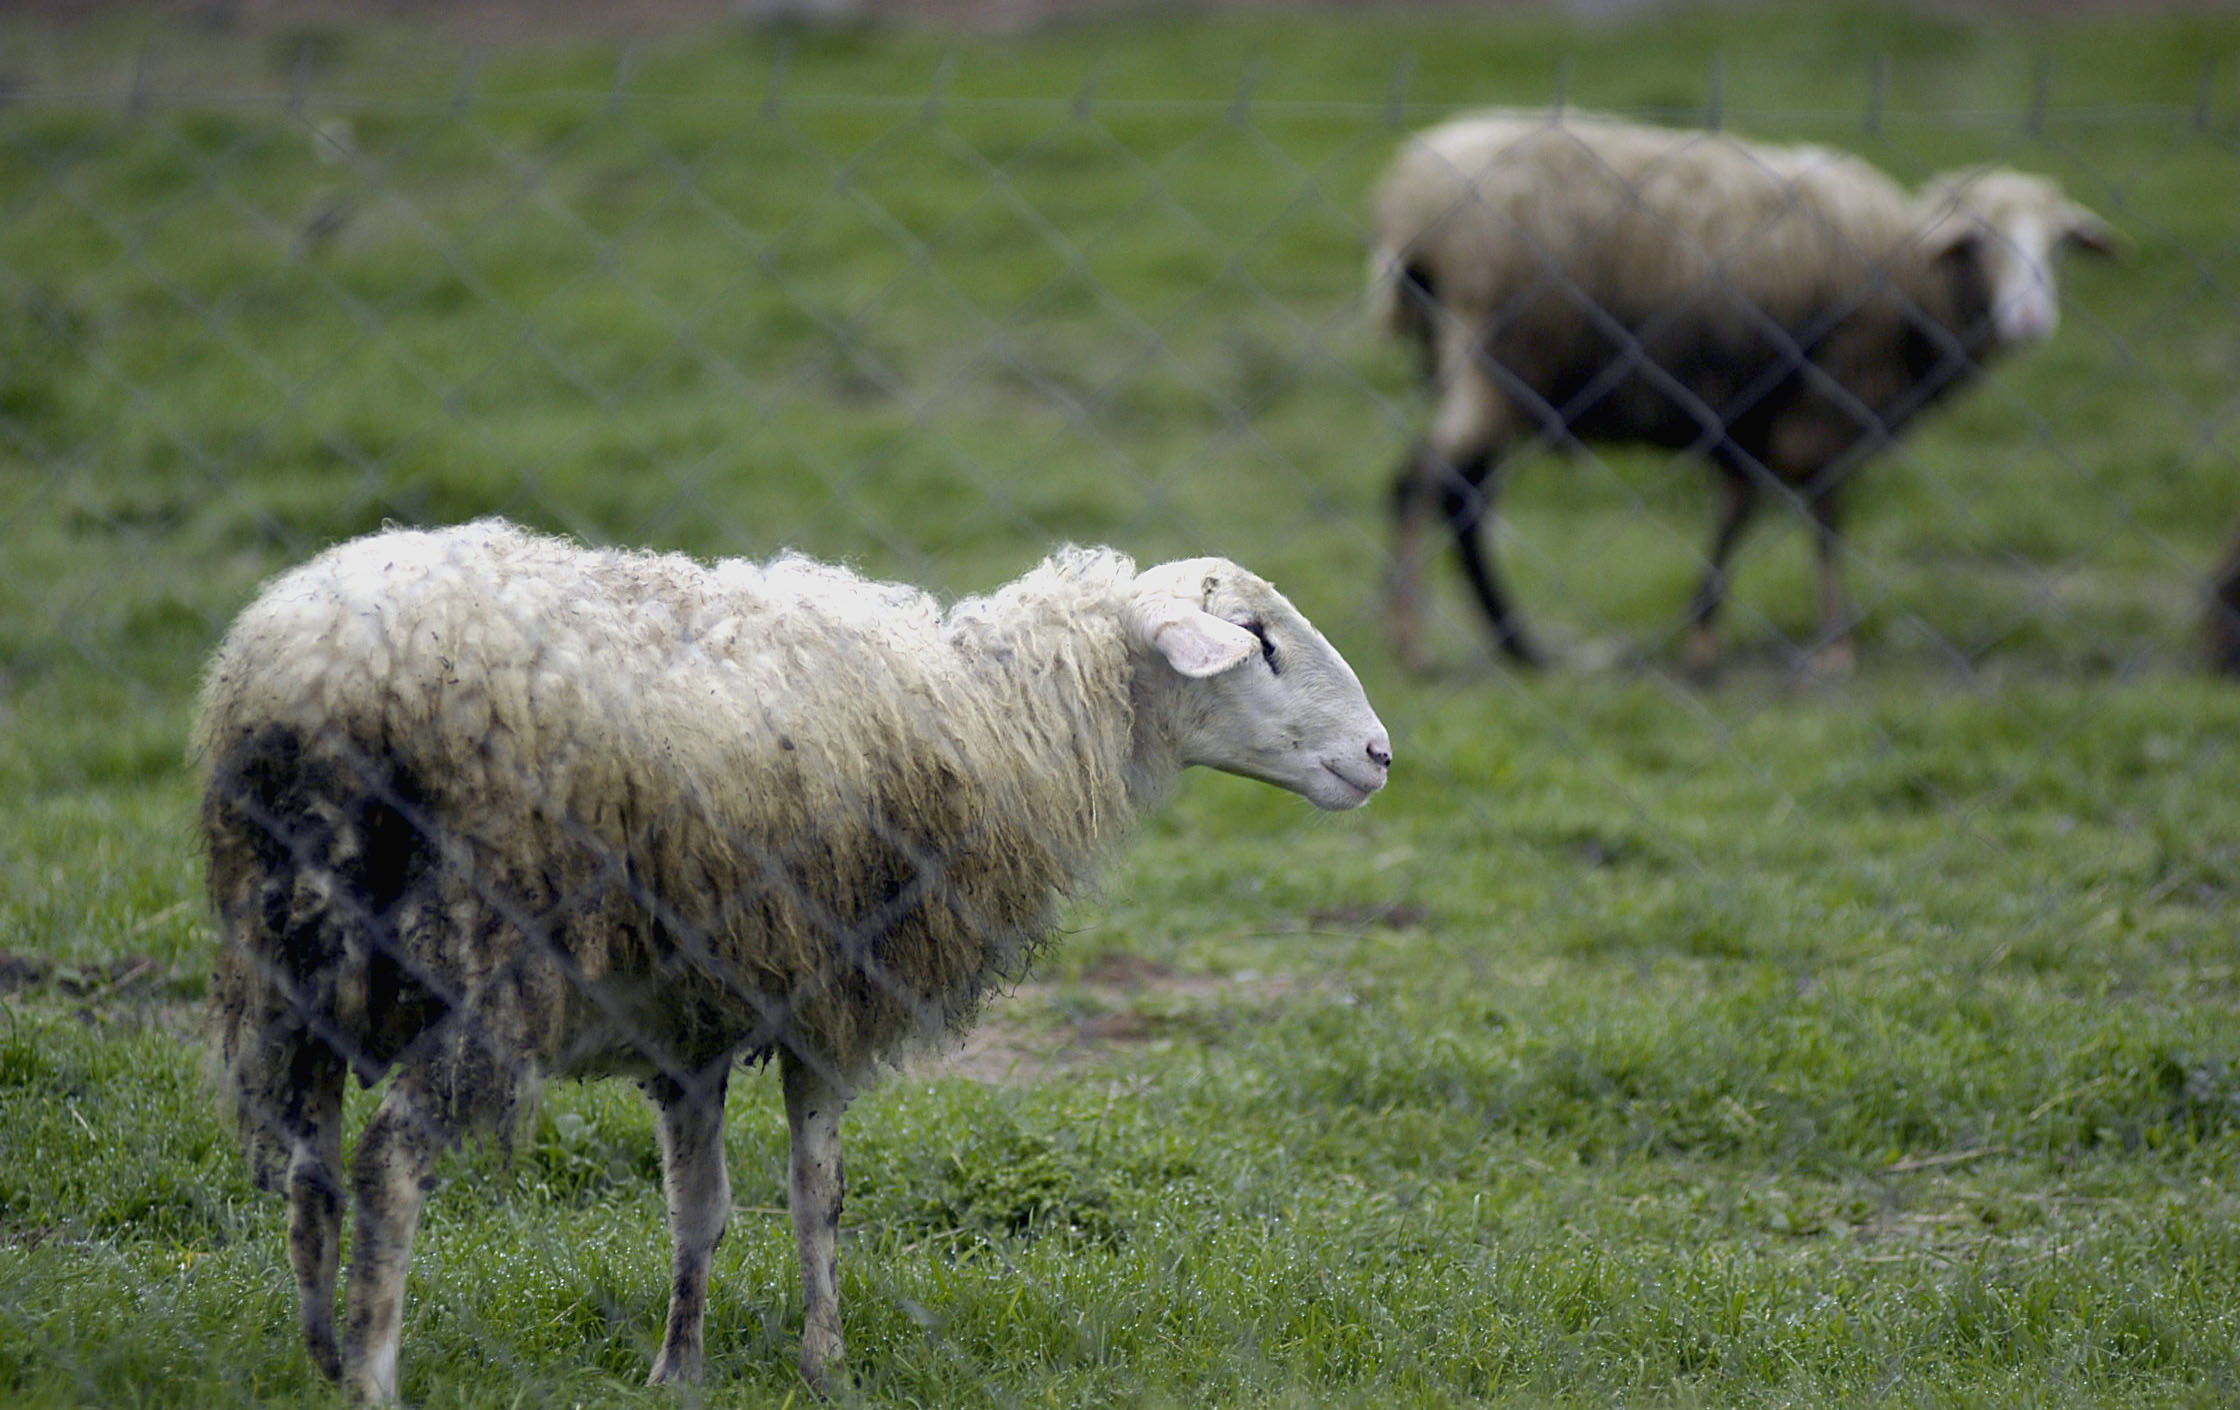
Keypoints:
pixel 1197 643
pixel 2089 233
pixel 1954 234
pixel 1171 618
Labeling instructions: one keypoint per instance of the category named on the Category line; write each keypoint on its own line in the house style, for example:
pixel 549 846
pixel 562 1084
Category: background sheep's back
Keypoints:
pixel 1526 206
pixel 1867 1026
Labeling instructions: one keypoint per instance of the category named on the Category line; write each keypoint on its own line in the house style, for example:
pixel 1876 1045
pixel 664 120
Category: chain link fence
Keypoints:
pixel 934 336
pixel 1136 292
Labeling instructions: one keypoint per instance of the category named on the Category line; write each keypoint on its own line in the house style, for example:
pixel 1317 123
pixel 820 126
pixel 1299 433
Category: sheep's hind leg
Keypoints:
pixel 699 1198
pixel 1412 498
pixel 813 1108
pixel 315 1202
pixel 1468 503
pixel 395 1166
pixel 1470 435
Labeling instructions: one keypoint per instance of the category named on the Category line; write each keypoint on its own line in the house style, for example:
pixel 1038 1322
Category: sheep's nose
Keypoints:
pixel 1380 754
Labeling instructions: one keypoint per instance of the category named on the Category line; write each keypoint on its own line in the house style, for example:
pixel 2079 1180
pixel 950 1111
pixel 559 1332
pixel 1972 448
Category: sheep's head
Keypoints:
pixel 2019 226
pixel 1248 686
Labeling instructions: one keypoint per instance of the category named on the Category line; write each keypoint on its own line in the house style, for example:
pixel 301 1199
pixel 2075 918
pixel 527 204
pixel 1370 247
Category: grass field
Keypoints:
pixel 1752 1044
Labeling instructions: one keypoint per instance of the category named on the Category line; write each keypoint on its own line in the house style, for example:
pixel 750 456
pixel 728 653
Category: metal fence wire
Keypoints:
pixel 935 336
pixel 1140 293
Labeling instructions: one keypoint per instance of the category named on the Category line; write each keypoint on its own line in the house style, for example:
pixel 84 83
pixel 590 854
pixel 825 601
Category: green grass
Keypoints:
pixel 1761 1044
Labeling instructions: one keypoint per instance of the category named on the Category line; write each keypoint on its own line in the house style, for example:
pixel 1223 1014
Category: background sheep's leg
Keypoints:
pixel 813 1107
pixel 1466 498
pixel 1737 506
pixel 315 1199
pixel 1450 468
pixel 1832 654
pixel 1412 498
pixel 2224 613
pixel 1413 486
pixel 699 1196
pixel 395 1165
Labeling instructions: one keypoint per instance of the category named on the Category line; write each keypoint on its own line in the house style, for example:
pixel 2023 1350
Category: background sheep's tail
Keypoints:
pixel 1402 304
pixel 308 856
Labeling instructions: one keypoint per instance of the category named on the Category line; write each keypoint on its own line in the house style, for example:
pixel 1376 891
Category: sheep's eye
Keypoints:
pixel 1259 631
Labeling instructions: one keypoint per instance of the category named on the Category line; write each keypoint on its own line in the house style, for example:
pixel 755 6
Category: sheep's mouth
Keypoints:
pixel 1373 782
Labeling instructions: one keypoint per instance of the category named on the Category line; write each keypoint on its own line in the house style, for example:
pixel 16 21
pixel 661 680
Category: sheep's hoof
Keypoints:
pixel 1602 656
pixel 1699 658
pixel 325 1356
pixel 1408 650
pixel 1521 654
pixel 820 1353
pixel 819 1380
pixel 1831 662
pixel 677 1369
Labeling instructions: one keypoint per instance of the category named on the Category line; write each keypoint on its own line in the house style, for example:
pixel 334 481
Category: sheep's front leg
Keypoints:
pixel 395 1167
pixel 1738 505
pixel 1832 655
pixel 813 1107
pixel 1814 450
pixel 699 1195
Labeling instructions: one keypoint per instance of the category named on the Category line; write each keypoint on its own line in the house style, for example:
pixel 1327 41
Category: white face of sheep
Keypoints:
pixel 2021 225
pixel 1252 688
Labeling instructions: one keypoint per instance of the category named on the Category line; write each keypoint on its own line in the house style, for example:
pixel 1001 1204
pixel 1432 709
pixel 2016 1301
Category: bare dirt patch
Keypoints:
pixel 21 972
pixel 131 991
pixel 109 980
pixel 1122 1005
pixel 1367 915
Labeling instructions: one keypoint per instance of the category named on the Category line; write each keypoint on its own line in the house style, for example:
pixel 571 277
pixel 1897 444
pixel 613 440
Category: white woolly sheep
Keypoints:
pixel 483 806
pixel 1783 311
